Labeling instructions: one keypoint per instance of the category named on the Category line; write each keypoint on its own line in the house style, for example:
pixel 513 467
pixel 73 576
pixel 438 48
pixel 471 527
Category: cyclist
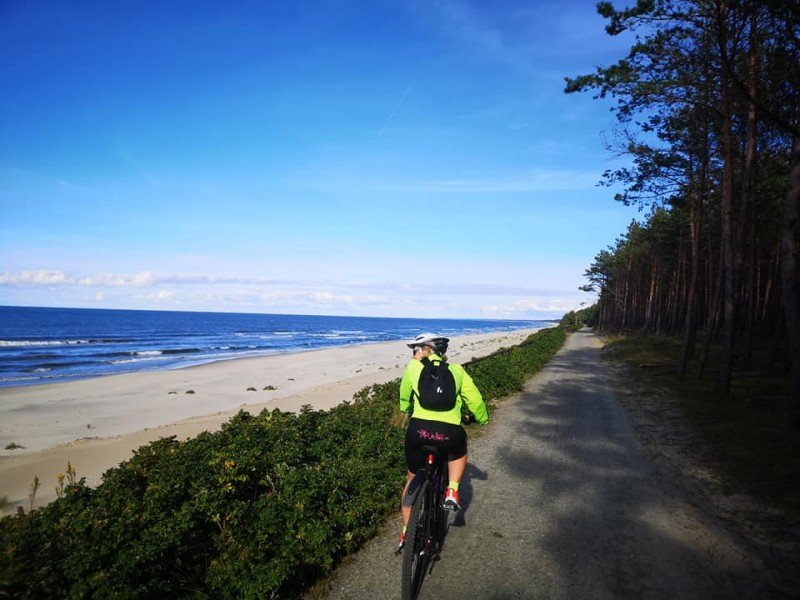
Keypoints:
pixel 436 416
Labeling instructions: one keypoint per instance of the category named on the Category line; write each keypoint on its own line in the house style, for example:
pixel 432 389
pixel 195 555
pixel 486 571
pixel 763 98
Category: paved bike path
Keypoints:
pixel 560 503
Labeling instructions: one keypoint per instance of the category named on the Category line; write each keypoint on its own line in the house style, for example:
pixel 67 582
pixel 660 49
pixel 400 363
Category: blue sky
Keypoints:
pixel 382 158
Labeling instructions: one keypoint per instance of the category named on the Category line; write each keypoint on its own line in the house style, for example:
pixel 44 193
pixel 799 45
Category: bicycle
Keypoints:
pixel 428 523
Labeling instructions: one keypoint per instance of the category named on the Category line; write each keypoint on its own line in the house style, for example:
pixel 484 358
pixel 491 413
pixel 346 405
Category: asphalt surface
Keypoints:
pixel 560 502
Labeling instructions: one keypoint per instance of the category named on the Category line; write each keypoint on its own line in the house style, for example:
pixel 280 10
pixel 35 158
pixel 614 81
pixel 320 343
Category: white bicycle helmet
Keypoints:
pixel 436 342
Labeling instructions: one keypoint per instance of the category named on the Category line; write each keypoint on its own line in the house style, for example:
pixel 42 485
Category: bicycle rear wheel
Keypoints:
pixel 417 552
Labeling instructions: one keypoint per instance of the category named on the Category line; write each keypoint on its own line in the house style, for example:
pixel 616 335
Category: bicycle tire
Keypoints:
pixel 416 553
pixel 440 521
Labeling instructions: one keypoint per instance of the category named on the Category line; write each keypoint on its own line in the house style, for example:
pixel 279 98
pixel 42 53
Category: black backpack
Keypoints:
pixel 437 387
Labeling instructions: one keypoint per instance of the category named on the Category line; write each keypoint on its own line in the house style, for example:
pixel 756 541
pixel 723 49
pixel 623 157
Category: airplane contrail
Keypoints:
pixel 396 108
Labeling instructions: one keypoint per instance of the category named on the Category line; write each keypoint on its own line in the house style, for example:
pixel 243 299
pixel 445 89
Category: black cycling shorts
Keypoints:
pixel 449 438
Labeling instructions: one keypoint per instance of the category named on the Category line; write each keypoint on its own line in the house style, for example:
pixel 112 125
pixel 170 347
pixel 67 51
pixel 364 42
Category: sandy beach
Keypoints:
pixel 96 423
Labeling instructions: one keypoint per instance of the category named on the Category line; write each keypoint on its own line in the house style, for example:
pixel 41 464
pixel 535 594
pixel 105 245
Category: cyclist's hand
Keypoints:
pixel 467 418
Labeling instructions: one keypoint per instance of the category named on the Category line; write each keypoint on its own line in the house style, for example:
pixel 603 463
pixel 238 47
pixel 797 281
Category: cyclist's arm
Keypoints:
pixel 472 396
pixel 406 390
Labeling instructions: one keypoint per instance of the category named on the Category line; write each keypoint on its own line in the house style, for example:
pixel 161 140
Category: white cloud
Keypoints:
pixel 241 293
pixel 462 22
pixel 105 279
pixel 38 277
pixel 326 291
pixel 524 308
pixel 538 180
pixel 145 278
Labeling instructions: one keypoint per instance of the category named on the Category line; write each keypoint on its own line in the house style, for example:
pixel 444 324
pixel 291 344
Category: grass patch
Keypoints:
pixel 757 452
pixel 14 446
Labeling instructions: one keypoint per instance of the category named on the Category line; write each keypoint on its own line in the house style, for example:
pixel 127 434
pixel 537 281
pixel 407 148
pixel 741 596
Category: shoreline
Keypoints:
pixel 75 421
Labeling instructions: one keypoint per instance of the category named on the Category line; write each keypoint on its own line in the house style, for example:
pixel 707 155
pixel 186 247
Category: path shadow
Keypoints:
pixel 466 491
pixel 612 530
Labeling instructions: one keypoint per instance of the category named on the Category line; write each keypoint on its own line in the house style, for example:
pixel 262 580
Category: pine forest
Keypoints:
pixel 707 104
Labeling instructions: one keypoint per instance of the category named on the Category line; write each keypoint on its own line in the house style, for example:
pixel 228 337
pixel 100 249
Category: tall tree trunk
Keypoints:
pixel 770 279
pixel 651 297
pixel 790 275
pixel 776 338
pixel 713 321
pixel 690 322
pixel 713 274
pixel 751 284
pixel 723 383
pixel 746 203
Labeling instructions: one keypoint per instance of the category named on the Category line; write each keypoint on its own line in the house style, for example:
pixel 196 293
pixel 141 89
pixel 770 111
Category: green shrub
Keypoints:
pixel 572 321
pixel 590 315
pixel 258 509
pixel 506 371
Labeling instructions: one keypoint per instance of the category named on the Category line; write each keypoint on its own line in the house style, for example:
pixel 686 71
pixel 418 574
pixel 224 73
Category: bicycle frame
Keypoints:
pixel 428 523
pixel 435 471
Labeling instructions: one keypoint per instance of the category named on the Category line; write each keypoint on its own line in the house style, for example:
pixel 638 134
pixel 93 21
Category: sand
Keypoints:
pixel 95 424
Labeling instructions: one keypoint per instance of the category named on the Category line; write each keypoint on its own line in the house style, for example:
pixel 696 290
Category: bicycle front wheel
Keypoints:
pixel 417 551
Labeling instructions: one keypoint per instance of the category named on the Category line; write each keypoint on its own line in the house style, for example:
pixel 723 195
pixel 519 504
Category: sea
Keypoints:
pixel 48 345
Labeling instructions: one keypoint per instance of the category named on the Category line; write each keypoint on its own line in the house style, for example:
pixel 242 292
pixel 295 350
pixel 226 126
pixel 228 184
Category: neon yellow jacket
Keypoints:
pixel 466 391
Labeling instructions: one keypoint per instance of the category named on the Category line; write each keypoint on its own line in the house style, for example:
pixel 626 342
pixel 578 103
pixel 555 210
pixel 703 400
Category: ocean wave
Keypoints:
pixel 22 379
pixel 25 343
pixel 37 356
pixel 16 379
pixel 65 363
pixel 199 359
pixel 179 353
pixel 126 361
pixel 28 343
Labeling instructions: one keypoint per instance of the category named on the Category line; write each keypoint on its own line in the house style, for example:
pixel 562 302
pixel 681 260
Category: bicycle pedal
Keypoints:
pixel 400 546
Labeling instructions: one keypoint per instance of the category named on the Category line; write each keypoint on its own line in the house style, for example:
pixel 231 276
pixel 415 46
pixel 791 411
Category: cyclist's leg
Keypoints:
pixel 406 510
pixel 457 455
pixel 414 460
pixel 456 468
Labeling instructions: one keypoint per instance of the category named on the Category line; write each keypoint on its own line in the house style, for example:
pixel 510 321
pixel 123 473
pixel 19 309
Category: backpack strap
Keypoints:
pixel 427 361
pixel 414 394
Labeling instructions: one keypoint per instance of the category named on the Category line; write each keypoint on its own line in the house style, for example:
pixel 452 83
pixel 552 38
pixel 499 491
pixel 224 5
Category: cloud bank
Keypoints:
pixel 253 293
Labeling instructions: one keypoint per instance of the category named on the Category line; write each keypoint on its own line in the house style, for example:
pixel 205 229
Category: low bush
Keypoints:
pixel 258 509
pixel 505 371
pixel 574 320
